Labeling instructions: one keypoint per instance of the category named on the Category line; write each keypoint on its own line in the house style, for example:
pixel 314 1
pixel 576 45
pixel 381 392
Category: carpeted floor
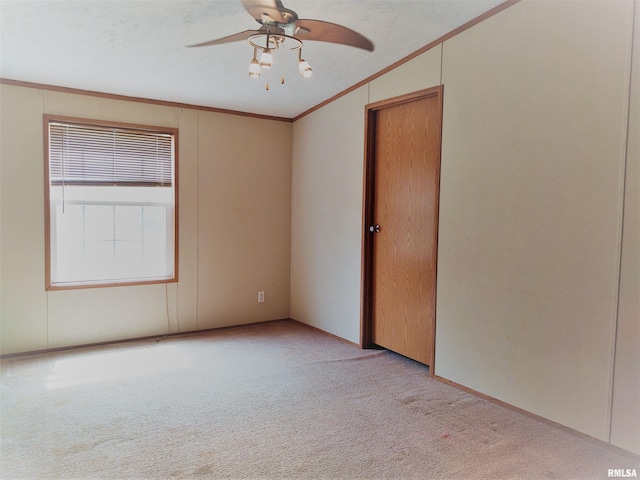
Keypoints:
pixel 271 401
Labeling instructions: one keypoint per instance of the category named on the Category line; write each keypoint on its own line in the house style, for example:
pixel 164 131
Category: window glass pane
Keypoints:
pixel 70 241
pixel 100 260
pixel 155 240
pixel 128 255
pixel 99 223
pixel 128 223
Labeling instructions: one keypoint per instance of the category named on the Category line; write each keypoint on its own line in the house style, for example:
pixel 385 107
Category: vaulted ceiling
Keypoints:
pixel 138 48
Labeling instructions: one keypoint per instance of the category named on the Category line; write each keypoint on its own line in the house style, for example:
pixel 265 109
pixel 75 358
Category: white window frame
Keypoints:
pixel 170 274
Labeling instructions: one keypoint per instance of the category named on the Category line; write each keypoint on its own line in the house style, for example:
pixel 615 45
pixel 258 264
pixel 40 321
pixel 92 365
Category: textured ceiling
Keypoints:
pixel 137 48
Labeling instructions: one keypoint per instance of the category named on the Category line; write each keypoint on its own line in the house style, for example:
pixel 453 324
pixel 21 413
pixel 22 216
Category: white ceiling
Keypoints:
pixel 137 47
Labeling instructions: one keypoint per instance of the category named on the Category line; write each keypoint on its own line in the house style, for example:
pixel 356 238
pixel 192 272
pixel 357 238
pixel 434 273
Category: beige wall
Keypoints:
pixel 625 421
pixel 419 73
pixel 245 219
pixel 23 313
pixel 534 135
pixel 326 216
pixel 234 228
pixel 530 207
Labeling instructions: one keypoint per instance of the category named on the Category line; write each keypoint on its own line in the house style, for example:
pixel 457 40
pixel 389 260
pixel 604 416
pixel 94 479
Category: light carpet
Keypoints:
pixel 269 401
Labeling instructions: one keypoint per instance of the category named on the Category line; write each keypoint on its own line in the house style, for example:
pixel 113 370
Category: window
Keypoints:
pixel 110 198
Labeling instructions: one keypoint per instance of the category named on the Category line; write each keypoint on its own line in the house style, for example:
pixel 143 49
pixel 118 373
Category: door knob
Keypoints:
pixel 374 228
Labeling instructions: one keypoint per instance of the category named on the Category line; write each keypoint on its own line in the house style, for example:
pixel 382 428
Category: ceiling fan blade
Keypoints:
pixel 331 32
pixel 265 10
pixel 229 38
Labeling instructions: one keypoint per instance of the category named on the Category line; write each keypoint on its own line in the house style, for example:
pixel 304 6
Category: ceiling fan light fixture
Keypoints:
pixel 266 59
pixel 279 24
pixel 305 68
pixel 254 69
pixel 303 65
pixel 254 66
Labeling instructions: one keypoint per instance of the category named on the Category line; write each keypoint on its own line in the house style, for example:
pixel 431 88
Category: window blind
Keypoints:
pixel 81 154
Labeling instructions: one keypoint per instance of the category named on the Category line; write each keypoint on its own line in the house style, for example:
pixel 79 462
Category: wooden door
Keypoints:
pixel 405 189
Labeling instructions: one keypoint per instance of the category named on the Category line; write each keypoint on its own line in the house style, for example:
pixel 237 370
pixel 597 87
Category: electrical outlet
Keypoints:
pixel 260 297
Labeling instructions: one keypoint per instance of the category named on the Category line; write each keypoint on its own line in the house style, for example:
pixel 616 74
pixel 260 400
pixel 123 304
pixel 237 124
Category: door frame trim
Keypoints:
pixel 368 204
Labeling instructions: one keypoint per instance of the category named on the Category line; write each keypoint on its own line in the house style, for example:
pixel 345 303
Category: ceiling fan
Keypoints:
pixel 280 24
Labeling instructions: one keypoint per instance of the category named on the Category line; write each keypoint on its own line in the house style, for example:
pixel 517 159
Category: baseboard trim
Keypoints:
pixel 138 339
pixel 537 417
pixel 324 332
pixel 174 335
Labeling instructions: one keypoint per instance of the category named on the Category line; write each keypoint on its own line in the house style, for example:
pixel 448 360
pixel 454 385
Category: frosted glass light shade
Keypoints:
pixel 254 68
pixel 266 58
pixel 305 68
